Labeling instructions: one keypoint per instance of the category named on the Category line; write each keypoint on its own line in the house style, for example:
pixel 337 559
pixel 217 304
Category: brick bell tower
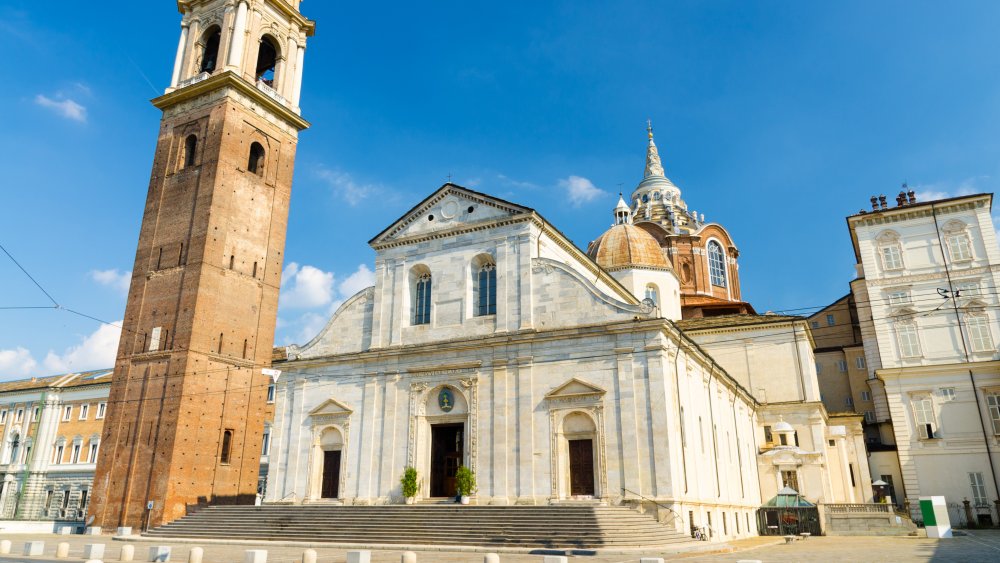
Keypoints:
pixel 186 410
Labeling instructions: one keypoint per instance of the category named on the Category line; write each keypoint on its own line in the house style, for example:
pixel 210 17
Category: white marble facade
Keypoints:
pixel 570 360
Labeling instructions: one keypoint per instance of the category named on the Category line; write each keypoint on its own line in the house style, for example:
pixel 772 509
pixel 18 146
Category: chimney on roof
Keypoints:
pixel 874 203
pixel 912 195
pixel 882 202
pixel 901 199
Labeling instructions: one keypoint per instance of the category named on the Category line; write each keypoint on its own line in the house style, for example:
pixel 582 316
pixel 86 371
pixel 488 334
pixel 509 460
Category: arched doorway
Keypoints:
pixel 580 434
pixel 331 445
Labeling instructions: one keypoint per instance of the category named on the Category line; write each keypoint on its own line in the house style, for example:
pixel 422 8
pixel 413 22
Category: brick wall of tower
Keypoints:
pixel 205 227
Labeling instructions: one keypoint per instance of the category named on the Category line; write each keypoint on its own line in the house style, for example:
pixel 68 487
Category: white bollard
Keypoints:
pixel 159 553
pixel 93 551
pixel 62 551
pixel 309 556
pixel 408 557
pixel 255 556
pixel 651 560
pixel 196 555
pixel 34 547
pixel 92 531
pixel 128 553
pixel 555 559
pixel 491 558
pixel 124 531
pixel 5 547
pixel 360 556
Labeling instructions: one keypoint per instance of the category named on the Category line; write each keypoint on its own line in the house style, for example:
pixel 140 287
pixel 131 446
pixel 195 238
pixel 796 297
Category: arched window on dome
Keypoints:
pixel 716 264
pixel 421 280
pixel 653 294
pixel 484 272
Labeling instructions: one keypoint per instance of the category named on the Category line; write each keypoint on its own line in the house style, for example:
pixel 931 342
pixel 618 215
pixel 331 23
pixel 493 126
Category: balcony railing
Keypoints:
pixel 263 86
pixel 194 79
pixel 858 508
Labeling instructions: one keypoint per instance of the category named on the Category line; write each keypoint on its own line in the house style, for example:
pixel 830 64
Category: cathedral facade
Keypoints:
pixel 490 341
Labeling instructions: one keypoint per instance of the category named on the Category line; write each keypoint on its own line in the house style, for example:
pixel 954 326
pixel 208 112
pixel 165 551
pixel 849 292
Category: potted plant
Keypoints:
pixel 409 484
pixel 465 482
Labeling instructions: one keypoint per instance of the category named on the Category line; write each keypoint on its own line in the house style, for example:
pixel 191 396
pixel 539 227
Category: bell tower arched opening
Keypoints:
pixel 210 49
pixel 267 60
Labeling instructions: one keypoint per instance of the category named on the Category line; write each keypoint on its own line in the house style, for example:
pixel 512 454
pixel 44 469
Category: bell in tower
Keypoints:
pixel 188 398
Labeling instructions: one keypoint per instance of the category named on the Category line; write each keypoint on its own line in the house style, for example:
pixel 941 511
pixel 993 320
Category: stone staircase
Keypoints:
pixel 529 527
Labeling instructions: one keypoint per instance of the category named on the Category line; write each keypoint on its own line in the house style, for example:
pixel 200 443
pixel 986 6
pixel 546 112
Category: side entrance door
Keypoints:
pixel 581 467
pixel 331 475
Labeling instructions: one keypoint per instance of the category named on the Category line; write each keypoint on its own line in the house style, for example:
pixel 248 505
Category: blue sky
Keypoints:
pixel 776 119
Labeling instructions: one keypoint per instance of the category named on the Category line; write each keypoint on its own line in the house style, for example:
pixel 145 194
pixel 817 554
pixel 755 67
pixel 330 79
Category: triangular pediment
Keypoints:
pixel 448 209
pixel 330 407
pixel 574 388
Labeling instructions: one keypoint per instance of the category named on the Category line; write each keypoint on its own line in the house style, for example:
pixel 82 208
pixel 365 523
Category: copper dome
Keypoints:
pixel 627 246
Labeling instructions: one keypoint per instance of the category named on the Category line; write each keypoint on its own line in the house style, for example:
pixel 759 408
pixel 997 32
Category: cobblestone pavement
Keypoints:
pixel 975 547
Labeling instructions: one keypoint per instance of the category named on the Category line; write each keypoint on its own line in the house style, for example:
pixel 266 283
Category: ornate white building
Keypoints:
pixel 926 297
pixel 490 341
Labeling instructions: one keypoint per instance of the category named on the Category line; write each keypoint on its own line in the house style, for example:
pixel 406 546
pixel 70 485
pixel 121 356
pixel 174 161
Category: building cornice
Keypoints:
pixel 229 79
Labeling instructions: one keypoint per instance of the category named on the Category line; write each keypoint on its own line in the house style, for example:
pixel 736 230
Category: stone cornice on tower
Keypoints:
pixel 286 8
pixel 232 80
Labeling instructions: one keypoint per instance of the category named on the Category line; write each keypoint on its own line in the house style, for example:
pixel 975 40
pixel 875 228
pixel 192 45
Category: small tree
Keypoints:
pixel 465 481
pixel 408 482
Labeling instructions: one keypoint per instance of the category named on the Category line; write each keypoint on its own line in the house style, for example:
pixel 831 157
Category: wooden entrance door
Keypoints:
pixel 446 457
pixel 331 475
pixel 581 467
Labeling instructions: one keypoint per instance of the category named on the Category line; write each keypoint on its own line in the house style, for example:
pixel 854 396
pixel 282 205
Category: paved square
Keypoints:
pixel 977 546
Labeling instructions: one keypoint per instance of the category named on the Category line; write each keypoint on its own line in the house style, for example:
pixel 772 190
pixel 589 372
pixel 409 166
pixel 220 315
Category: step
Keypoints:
pixel 437 524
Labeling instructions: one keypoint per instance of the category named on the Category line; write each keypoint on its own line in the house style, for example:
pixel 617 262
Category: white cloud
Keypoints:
pixel 580 190
pixel 16 363
pixel 309 287
pixel 113 278
pixel 65 107
pixel 96 351
pixel 344 186
pixel 357 281
pixel 305 287
pixel 946 189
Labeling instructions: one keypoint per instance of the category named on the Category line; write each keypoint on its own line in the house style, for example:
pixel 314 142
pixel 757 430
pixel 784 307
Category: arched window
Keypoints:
pixel 653 294
pixel 422 299
pixel 267 58
pixel 190 148
pixel 716 264
pixel 210 49
pixel 15 446
pixel 486 287
pixel 227 445
pixel 256 162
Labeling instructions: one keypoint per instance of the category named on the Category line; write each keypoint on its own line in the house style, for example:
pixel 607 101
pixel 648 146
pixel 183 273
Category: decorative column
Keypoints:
pixel 299 61
pixel 288 73
pixel 179 59
pixel 239 35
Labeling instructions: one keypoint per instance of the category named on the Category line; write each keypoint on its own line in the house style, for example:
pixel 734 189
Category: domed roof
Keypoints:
pixel 625 246
pixel 783 426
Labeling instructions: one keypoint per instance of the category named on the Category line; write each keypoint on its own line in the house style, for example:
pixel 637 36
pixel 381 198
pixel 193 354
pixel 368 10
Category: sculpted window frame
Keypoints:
pixel 484 284
pixel 421 283
pixel 890 251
